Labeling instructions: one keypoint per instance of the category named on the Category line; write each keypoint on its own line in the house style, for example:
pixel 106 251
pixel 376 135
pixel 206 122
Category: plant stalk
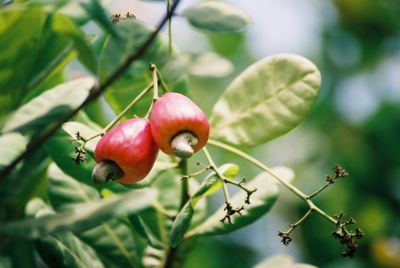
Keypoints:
pixel 172 252
pixel 184 183
pixel 162 82
pixel 128 107
pixel 219 174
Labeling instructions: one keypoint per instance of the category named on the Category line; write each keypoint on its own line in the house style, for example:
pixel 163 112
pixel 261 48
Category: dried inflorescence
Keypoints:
pixel 228 208
pixel 286 239
pixel 347 238
pixel 231 211
pixel 119 17
pixel 80 154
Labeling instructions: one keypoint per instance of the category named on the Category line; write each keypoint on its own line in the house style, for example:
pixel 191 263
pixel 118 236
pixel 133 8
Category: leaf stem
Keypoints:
pixel 263 167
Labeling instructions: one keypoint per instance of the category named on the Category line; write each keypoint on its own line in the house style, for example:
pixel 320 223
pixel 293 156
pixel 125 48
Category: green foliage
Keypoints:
pixel 11 145
pixel 37 55
pixel 62 250
pixel 64 191
pixel 279 92
pixel 97 13
pixel 200 65
pixel 112 239
pixel 216 17
pixel 50 106
pixel 80 218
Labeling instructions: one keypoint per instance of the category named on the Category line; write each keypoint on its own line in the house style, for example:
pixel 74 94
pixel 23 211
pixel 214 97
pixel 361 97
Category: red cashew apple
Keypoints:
pixel 179 126
pixel 126 153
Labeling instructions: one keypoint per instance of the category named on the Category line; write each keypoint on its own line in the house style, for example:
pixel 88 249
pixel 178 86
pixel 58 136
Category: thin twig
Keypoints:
pixel 96 92
pixel 128 107
pixel 219 174
pixel 162 82
pixel 319 190
pixel 263 167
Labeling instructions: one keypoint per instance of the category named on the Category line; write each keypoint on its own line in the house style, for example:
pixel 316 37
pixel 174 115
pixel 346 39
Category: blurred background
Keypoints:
pixel 355 123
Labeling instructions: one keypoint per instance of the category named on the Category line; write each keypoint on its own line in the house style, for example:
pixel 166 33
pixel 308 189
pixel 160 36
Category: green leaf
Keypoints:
pixel 63 191
pixel 62 250
pixel 66 250
pixel 267 100
pixel 116 50
pixel 112 239
pixel 210 184
pixel 50 106
pixel 11 146
pixel 261 202
pixel 216 17
pixel 153 257
pixel 281 261
pixel 5 262
pixel 52 41
pixel 64 26
pixel 97 13
pixel 201 65
pixel 143 229
pixel 82 217
pixel 115 243
pixel 18 52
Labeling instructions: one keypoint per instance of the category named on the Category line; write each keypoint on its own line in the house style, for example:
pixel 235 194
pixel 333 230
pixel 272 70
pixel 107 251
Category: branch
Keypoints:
pixel 96 92
pixel 263 167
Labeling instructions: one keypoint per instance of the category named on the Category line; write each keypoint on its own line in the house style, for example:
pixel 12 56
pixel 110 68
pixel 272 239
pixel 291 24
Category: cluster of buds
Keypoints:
pixel 339 172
